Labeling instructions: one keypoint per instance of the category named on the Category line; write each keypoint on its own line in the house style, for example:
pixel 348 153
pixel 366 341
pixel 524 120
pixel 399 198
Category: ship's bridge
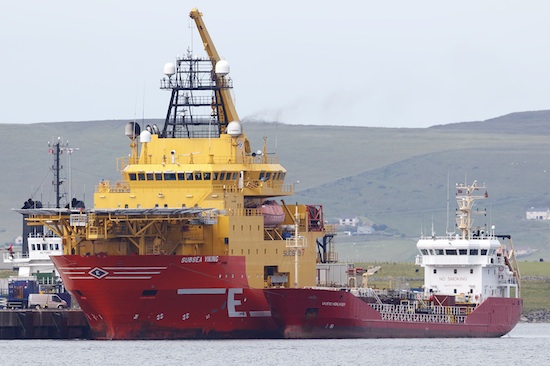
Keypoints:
pixel 451 251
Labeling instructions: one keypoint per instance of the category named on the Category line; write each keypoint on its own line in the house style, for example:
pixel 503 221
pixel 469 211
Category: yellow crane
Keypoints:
pixel 230 110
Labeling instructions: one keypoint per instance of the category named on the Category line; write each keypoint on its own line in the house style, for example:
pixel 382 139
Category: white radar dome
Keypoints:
pixel 234 129
pixel 169 69
pixel 145 136
pixel 222 68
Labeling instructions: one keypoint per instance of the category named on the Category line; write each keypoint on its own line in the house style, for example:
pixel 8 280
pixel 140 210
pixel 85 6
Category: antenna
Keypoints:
pixel 276 131
pixel 448 198
pixel 143 105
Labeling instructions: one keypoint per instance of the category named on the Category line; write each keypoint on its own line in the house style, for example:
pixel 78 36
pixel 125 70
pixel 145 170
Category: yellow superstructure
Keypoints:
pixel 195 188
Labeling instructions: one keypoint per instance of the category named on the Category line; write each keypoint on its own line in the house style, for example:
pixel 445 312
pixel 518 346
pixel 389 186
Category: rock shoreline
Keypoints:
pixel 537 316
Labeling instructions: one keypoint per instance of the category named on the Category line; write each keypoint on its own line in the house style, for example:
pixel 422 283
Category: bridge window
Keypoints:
pixel 483 251
pixel 141 176
pixel 222 175
pixel 150 176
pixel 169 176
pixel 439 252
pixel 206 175
pixel 450 251
pixel 463 251
pixel 189 176
pixel 267 175
pixel 132 176
pixel 424 251
pixel 474 252
pixel 181 176
pixel 234 176
pixel 215 175
pixel 158 176
pixel 198 176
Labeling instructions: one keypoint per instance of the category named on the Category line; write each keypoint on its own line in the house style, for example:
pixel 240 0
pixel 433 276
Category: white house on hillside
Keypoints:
pixel 538 214
pixel 349 221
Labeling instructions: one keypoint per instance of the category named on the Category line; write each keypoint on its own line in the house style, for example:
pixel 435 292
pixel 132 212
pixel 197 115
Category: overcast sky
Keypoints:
pixel 367 63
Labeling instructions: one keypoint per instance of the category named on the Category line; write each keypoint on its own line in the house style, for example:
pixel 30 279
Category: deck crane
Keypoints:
pixel 230 112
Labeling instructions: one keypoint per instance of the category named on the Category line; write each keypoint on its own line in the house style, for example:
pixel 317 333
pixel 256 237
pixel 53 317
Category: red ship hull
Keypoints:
pixel 166 297
pixel 318 313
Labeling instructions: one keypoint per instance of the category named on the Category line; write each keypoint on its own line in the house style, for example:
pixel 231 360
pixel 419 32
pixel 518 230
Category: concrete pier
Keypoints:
pixel 43 324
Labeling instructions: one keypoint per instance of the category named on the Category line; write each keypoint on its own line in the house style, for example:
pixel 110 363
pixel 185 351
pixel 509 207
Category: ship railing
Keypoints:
pixel 259 184
pixel 331 257
pixel 331 228
pixel 367 292
pixel 8 257
pixel 195 84
pixel 245 212
pixel 124 161
pixel 45 234
pixel 452 236
pixel 261 159
pixel 409 312
pixel 411 307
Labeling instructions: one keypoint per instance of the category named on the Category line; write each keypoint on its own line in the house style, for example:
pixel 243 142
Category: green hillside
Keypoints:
pixel 392 177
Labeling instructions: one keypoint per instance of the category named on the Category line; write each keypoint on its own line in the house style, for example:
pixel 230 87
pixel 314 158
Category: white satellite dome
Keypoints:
pixel 145 136
pixel 234 129
pixel 169 69
pixel 222 68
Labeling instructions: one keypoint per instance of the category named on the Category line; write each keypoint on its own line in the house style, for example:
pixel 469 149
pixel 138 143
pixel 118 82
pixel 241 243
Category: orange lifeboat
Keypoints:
pixel 273 213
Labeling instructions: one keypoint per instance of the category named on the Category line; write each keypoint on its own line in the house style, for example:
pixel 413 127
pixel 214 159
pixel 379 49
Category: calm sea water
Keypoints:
pixel 527 344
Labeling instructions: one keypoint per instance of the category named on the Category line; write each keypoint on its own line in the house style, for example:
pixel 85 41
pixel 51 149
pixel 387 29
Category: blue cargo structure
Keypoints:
pixel 19 291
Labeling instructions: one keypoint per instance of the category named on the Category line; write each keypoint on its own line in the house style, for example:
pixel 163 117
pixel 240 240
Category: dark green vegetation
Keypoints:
pixel 391 177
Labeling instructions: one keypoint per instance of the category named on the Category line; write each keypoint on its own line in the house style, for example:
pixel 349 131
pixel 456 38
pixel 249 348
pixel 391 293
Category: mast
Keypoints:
pixel 297 242
pixel 56 149
pixel 465 199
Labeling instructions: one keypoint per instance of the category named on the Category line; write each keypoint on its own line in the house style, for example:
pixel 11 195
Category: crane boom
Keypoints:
pixel 230 110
